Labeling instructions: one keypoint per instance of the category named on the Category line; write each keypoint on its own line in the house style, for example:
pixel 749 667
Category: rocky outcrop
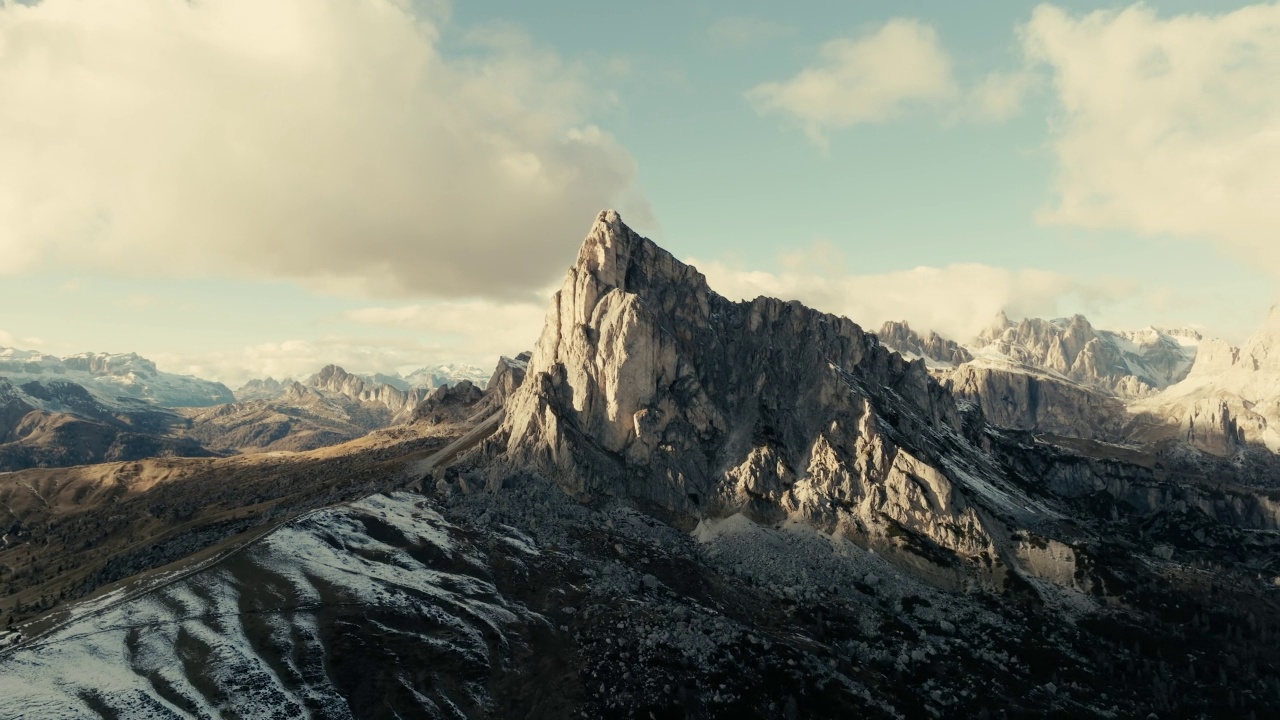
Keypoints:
pixel 449 404
pixel 1027 400
pixel 1058 376
pixel 334 380
pixel 261 389
pixel 648 385
pixel 304 417
pixel 931 345
pixel 1229 400
pixel 1124 364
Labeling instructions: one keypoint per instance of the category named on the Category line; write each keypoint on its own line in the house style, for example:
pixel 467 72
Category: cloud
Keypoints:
pixel 477 328
pixel 744 31
pixel 330 141
pixel 393 339
pixel 864 79
pixel 1168 126
pixel 999 96
pixel 956 300
pixel 8 340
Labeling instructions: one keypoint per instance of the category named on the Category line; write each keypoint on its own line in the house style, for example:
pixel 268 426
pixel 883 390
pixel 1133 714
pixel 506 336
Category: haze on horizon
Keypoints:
pixel 244 188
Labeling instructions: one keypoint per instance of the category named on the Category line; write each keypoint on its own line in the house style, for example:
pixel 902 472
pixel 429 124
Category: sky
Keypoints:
pixel 241 188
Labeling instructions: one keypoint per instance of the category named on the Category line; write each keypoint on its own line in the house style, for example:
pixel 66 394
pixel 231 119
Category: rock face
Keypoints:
pixel 646 384
pixel 126 376
pixel 261 389
pixel 336 381
pixel 464 402
pixel 1229 400
pixel 1125 364
pixel 304 417
pixel 1028 400
pixel 930 345
pixel 449 404
pixel 1061 376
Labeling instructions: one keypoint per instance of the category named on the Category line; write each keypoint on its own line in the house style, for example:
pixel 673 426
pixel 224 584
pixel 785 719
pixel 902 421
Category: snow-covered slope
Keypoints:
pixel 114 376
pixel 434 377
pixel 1231 396
pixel 378 604
pixel 1124 363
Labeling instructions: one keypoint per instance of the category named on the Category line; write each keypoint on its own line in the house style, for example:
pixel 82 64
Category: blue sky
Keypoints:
pixel 388 186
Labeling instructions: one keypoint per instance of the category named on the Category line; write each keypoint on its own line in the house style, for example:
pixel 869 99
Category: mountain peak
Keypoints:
pixel 1262 349
pixel 618 257
pixel 647 383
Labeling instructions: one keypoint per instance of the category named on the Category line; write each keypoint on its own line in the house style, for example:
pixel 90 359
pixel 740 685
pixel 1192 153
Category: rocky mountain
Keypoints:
pixel 931 346
pixel 1230 399
pixel 113 376
pixel 688 507
pixel 262 389
pixel 331 407
pixel 59 423
pixel 428 379
pixel 1059 376
pixel 1126 364
pixel 333 380
pixel 440 375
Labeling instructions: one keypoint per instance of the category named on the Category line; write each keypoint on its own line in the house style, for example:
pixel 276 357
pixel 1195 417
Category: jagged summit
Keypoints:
pixel 929 345
pixel 1262 349
pixel 646 384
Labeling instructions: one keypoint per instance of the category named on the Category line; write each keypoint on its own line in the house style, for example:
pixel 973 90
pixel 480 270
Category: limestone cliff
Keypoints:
pixel 1229 400
pixel 1028 400
pixel 647 384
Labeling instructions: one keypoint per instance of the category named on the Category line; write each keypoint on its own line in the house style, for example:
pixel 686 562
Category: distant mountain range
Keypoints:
pixel 112 377
pixel 91 408
pixel 428 378
pixel 1153 385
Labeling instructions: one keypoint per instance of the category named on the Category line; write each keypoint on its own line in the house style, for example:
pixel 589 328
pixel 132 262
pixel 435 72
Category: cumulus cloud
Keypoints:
pixel 864 79
pixel 999 96
pixel 956 300
pixel 331 141
pixel 1168 126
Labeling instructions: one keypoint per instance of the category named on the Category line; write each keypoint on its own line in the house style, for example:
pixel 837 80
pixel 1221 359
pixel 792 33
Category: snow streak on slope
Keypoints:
pixel 290 627
pixel 114 376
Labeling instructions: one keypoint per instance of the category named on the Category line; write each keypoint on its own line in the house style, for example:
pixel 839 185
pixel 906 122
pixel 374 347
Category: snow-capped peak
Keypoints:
pixel 126 375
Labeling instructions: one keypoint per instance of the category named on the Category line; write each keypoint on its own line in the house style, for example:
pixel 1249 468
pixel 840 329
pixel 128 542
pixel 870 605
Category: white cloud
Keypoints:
pixel 1168 126
pixel 870 78
pixel 478 328
pixel 331 141
pixel 999 96
pixel 956 300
